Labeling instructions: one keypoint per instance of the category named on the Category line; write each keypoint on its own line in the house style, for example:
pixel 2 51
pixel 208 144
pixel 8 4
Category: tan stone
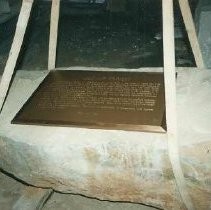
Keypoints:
pixel 113 165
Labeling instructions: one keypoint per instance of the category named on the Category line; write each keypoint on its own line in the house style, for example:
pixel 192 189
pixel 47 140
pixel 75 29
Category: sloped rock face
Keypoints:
pixel 113 165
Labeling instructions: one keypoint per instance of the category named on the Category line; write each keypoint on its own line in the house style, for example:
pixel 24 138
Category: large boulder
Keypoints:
pixel 109 164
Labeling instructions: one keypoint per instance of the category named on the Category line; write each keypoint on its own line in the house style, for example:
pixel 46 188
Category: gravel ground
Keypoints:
pixel 93 40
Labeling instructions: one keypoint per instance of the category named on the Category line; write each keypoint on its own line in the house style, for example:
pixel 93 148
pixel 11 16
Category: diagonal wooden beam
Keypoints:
pixel 15 49
pixel 55 10
pixel 170 97
pixel 191 30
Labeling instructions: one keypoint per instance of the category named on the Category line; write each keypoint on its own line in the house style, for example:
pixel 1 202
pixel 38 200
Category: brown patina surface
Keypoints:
pixel 109 100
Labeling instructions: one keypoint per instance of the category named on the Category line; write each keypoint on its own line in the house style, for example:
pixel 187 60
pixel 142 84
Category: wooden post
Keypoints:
pixel 191 30
pixel 15 49
pixel 55 10
pixel 170 96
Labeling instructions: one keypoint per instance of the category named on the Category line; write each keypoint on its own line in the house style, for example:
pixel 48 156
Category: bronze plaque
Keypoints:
pixel 92 99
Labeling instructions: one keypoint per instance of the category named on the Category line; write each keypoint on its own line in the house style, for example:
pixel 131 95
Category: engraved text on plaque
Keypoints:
pixel 108 100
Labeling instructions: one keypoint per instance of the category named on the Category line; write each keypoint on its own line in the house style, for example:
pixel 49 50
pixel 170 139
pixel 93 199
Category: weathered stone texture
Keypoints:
pixel 113 165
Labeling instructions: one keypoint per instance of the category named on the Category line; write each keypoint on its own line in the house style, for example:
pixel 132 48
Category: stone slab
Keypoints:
pixel 76 202
pixel 11 191
pixel 113 165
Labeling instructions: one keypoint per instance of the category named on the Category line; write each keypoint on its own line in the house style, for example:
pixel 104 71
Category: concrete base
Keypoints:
pixel 113 165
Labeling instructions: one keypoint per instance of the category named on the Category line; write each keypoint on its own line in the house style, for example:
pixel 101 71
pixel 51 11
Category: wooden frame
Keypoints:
pixel 55 11
pixel 191 30
pixel 170 97
pixel 21 28
pixel 15 49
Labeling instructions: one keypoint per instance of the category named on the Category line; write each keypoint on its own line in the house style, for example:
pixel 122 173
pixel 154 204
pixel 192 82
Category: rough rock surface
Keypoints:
pixel 12 193
pixel 60 201
pixel 113 165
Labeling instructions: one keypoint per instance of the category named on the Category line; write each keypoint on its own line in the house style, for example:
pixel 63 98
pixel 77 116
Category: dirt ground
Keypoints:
pixel 101 40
